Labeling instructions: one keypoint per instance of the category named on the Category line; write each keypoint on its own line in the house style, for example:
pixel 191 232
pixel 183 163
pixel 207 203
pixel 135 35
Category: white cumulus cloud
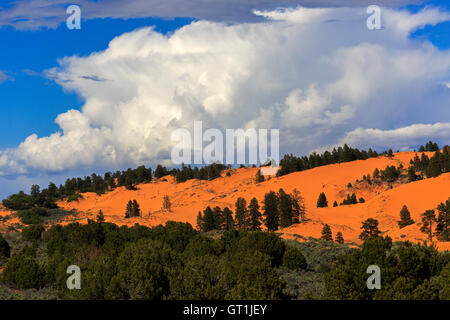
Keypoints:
pixel 319 75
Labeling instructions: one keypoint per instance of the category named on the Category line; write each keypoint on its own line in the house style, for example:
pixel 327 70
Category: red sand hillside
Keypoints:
pixel 190 197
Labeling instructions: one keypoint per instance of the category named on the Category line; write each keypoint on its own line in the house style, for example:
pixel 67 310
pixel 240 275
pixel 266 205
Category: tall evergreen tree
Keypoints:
pixel 129 210
pixel 271 214
pixel 228 222
pixel 241 214
pixel 100 217
pixel 218 218
pixel 285 208
pixel 326 233
pixel 443 221
pixel 405 217
pixel 298 207
pixel 428 217
pixel 136 210
pixel 199 221
pixel 322 201
pixel 370 229
pixel 255 215
pixel 259 177
pixel 209 221
pixel 339 238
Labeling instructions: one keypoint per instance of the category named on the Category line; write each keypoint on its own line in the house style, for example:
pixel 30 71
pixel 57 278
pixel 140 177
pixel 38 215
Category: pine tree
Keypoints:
pixel 390 154
pixel 209 221
pixel 160 171
pixel 129 210
pixel 322 201
pixel 412 176
pixel 100 217
pixel 285 208
pixel 228 222
pixel 376 173
pixel 370 229
pixel 443 221
pixel 339 238
pixel 240 213
pixel 405 217
pixel 259 177
pixel 199 221
pixel 335 204
pixel 136 211
pixel 271 214
pixel 255 215
pixel 298 207
pixel 428 217
pixel 326 233
pixel 218 218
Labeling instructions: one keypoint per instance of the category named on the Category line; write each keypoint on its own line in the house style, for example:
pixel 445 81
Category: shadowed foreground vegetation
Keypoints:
pixel 177 262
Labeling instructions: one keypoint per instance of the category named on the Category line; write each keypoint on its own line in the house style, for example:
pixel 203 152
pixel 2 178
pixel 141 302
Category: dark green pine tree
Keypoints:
pixel 209 221
pixel 129 210
pixel 259 177
pixel 428 217
pixel 135 209
pixel 271 213
pixel 443 221
pixel 405 217
pixel 100 217
pixel 353 199
pixel 199 221
pixel 240 213
pixel 335 204
pixel 370 229
pixel 298 207
pixel 412 176
pixel 255 215
pixel 434 167
pixel 160 171
pixel 347 154
pixel 339 238
pixel 326 233
pixel 322 201
pixel 285 208
pixel 218 218
pixel 228 222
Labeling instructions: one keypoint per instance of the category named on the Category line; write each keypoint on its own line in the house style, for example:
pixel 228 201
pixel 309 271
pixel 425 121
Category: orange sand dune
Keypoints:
pixel 190 197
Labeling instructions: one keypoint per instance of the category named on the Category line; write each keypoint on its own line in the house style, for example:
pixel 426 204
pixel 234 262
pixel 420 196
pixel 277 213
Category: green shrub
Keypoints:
pixel 32 216
pixel 294 259
pixel 33 232
pixel 23 272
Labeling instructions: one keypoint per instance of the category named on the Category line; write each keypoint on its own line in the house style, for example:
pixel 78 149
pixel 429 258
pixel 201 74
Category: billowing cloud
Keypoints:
pixel 405 138
pixel 319 75
pixel 35 14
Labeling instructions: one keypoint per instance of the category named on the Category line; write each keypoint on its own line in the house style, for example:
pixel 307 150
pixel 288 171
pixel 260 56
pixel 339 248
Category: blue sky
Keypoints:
pixel 35 40
pixel 30 102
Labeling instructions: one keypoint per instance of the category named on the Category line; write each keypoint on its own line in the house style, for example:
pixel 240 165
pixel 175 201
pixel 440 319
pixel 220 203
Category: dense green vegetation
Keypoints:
pixel 409 271
pixel 177 262
pixel 279 210
pixel 291 163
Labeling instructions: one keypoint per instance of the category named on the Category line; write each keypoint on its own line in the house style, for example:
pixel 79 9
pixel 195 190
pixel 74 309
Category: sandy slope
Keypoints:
pixel 188 198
